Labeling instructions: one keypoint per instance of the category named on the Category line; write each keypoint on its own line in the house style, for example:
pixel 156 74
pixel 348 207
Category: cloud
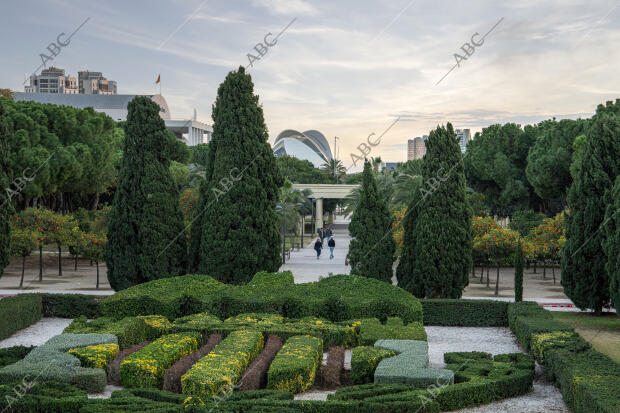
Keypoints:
pixel 287 7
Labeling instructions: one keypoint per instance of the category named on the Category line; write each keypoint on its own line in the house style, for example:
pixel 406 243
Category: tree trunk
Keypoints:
pixel 97 262
pixel 91 263
pixel 497 281
pixel 473 270
pixel 544 268
pixel 534 267
pixel 553 272
pixel 40 263
pixel 488 266
pixel 76 258
pixel 527 264
pixel 21 282
pixel 59 260
pixel 94 202
pixel 481 273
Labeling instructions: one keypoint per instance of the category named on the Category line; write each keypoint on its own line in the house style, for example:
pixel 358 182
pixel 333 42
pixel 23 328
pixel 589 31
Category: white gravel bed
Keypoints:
pixel 38 333
pixel 494 340
pixel 107 392
pixel 314 395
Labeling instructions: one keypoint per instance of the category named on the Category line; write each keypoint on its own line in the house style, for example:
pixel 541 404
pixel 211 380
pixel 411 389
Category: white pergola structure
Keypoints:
pixel 196 132
pixel 325 191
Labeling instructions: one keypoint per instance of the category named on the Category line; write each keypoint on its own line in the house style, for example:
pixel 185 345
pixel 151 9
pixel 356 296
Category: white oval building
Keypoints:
pixel 310 145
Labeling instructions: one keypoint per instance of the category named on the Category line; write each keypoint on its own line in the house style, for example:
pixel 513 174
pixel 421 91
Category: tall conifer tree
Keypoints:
pixel 239 231
pixel 439 263
pixel 612 244
pixel 584 276
pixel 371 251
pixel 145 229
pixel 6 207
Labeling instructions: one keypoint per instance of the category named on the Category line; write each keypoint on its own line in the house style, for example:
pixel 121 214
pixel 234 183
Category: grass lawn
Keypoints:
pixel 603 331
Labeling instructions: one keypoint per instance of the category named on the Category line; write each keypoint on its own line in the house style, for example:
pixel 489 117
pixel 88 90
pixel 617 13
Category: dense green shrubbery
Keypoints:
pixel 372 330
pixel 218 371
pixel 35 397
pixel 364 361
pixel 19 312
pixel 331 334
pixel 70 305
pixel 335 298
pixel 295 366
pixel 146 367
pixel 589 380
pixel 129 330
pixel 11 355
pixel 51 362
pixel 98 356
pixel 464 313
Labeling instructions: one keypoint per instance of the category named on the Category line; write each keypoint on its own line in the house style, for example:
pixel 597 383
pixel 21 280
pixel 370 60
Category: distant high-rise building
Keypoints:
pixel 464 136
pixel 54 80
pixel 416 147
pixel 390 166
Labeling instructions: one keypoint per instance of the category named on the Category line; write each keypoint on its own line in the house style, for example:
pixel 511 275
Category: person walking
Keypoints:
pixel 318 245
pixel 331 244
pixel 328 233
pixel 321 233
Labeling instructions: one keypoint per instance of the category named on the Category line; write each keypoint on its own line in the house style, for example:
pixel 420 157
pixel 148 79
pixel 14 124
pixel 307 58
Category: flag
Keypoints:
pixel 158 78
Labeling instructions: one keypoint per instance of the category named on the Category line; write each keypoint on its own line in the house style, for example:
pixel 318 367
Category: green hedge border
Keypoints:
pixel 19 312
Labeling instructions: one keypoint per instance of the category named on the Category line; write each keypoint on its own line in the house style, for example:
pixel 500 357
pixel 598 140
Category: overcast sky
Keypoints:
pixel 346 68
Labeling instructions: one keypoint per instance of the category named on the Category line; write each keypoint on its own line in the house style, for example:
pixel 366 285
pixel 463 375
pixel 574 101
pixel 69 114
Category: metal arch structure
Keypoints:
pixel 314 139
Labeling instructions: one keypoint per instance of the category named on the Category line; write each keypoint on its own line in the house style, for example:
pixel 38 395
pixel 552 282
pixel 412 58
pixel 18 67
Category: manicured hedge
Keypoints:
pixel 255 377
pixel 221 369
pixel 18 312
pixel 332 334
pixel 98 356
pixel 372 330
pixel 364 361
pixel 70 305
pixel 335 298
pixel 11 355
pixel 589 380
pixel 294 367
pixel 51 362
pixel 464 313
pixel 172 377
pixel 130 330
pixel 146 367
pixel 33 396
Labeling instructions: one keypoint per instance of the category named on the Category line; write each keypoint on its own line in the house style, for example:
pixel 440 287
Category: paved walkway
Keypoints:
pixel 306 268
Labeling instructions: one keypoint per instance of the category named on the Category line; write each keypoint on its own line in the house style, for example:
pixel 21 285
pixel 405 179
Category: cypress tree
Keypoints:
pixel 584 276
pixel 407 279
pixel 371 251
pixel 438 265
pixel 145 228
pixel 239 227
pixel 612 244
pixel 6 207
pixel 519 272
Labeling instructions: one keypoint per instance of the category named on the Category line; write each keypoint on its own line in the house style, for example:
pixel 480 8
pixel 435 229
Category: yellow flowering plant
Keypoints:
pixel 98 356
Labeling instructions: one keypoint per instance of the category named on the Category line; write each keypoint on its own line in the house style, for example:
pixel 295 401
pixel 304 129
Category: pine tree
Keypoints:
pixel 6 207
pixel 371 251
pixel 145 230
pixel 439 264
pixel 584 276
pixel 519 273
pixel 612 244
pixel 239 226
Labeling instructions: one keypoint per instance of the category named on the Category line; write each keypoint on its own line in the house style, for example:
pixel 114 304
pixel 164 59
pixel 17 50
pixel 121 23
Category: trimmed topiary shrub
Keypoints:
pixel 221 369
pixel 172 377
pixel 51 362
pixel 146 367
pixel 98 356
pixel 545 342
pixel 129 330
pixel 525 327
pixel 357 297
pixel 70 305
pixel 255 377
pixel 114 368
pixel 464 313
pixel 13 354
pixel 294 367
pixel 525 309
pixel 19 312
pixel 364 361
pixel 41 397
pixel 372 330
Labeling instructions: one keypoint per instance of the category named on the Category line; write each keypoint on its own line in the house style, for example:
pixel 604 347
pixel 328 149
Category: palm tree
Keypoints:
pixel 408 181
pixel 335 168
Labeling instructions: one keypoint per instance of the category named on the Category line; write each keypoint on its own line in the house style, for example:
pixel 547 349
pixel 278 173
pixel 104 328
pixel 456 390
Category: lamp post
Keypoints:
pixel 283 208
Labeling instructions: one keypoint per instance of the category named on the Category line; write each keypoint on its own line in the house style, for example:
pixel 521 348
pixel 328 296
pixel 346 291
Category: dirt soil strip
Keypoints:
pixel 255 377
pixel 114 369
pixel 330 375
pixel 172 376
